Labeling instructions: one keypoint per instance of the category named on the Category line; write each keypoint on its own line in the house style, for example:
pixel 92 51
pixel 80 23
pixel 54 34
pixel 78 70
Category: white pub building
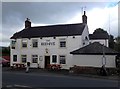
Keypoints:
pixel 55 44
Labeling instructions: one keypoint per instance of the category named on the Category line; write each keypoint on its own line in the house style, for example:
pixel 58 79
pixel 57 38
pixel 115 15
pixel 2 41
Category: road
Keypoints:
pixel 52 80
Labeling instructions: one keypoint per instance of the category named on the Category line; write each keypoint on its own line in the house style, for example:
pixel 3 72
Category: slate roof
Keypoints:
pixel 98 36
pixel 51 31
pixel 94 49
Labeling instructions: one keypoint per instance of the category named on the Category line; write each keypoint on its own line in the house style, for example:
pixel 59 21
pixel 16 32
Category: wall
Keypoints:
pixel 72 44
pixel 93 60
pixel 102 41
pixel 84 35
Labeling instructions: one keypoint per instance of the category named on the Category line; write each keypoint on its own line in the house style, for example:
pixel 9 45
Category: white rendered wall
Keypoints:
pixel 93 60
pixel 72 44
pixel 85 34
pixel 102 41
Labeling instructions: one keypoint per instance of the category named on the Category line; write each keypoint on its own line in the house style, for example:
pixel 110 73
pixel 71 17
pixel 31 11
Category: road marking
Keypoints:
pixel 21 86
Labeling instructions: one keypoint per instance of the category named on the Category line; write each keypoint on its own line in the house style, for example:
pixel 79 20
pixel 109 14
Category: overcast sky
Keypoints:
pixel 100 15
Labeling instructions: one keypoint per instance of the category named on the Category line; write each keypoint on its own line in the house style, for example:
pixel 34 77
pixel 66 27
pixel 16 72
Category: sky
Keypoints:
pixel 100 15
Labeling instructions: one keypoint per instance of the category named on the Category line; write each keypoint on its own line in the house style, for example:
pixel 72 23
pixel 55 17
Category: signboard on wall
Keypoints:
pixel 48 43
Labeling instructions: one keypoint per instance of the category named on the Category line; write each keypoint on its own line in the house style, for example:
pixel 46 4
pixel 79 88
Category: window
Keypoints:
pixel 14 58
pixel 24 58
pixel 73 36
pixel 54 58
pixel 83 43
pixel 13 44
pixel 62 43
pixel 62 59
pixel 24 43
pixel 35 43
pixel 54 37
pixel 34 58
pixel 86 38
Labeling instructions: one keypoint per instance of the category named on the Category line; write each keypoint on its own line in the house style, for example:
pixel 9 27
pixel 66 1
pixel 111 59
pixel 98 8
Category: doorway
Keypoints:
pixel 47 61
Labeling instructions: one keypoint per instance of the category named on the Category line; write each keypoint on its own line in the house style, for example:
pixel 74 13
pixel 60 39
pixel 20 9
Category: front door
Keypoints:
pixel 47 61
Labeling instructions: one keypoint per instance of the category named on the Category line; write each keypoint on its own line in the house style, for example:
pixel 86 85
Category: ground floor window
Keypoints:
pixel 14 58
pixel 34 58
pixel 54 58
pixel 24 58
pixel 62 59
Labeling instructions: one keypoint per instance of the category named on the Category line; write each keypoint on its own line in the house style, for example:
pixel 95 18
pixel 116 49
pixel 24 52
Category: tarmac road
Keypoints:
pixel 47 80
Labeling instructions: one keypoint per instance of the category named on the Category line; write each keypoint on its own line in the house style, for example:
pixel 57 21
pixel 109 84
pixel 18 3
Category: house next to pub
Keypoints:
pixel 64 44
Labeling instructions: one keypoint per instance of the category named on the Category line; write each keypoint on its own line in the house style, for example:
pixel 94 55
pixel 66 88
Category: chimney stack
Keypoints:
pixel 27 23
pixel 84 18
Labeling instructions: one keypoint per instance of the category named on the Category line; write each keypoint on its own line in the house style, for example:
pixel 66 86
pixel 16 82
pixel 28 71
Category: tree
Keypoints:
pixel 100 31
pixel 111 41
pixel 5 51
pixel 117 44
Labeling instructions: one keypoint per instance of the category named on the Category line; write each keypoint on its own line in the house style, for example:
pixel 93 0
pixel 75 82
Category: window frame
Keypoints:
pixel 33 58
pixel 64 56
pixel 13 44
pixel 62 40
pixel 26 41
pixel 54 60
pixel 14 60
pixel 34 40
pixel 23 57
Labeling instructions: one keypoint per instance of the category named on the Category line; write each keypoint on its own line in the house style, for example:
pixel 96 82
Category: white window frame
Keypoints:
pixel 62 57
pixel 62 40
pixel 13 44
pixel 24 41
pixel 35 40
pixel 35 57
pixel 53 59
pixel 14 60
pixel 25 57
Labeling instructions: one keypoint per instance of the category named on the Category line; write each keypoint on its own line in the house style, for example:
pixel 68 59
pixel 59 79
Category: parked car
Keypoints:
pixel 4 62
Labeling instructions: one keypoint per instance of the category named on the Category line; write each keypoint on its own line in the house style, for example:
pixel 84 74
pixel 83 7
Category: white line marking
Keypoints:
pixel 21 86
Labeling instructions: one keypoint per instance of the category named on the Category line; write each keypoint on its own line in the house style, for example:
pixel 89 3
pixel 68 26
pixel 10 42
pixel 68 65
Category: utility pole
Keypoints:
pixel 104 58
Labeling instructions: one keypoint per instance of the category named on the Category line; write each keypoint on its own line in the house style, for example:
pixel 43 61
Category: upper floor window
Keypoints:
pixel 24 43
pixel 54 58
pixel 62 43
pixel 34 58
pixel 13 44
pixel 86 38
pixel 35 43
pixel 24 58
pixel 14 58
pixel 62 59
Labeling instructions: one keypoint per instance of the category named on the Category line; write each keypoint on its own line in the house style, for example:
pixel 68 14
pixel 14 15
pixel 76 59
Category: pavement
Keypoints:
pixel 61 72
